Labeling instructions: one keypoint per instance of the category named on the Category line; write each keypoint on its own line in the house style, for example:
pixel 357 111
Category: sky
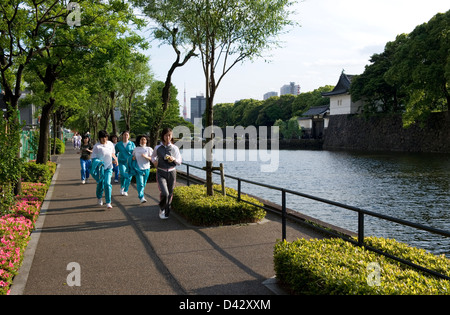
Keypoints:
pixel 333 35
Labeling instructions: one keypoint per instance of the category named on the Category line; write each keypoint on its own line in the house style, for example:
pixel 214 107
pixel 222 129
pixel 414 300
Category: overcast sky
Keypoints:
pixel 333 35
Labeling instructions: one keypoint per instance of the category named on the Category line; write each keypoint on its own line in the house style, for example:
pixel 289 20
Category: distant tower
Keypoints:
pixel 185 106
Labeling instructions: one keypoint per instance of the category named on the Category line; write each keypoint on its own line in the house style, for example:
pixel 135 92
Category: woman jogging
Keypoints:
pixel 85 158
pixel 165 157
pixel 104 153
pixel 142 154
pixel 124 149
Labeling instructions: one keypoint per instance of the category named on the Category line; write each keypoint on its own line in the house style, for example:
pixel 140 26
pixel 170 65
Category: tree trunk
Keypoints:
pixel 42 155
pixel 210 91
pixel 55 126
pixel 14 107
pixel 113 106
pixel 154 132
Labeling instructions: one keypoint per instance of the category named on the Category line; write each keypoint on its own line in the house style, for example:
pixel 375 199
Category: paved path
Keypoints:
pixel 129 250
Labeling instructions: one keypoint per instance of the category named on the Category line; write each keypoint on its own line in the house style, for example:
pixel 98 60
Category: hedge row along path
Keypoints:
pixel 129 250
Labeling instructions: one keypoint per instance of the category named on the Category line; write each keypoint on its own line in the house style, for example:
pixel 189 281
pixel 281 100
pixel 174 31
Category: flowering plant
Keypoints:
pixel 15 230
pixel 15 233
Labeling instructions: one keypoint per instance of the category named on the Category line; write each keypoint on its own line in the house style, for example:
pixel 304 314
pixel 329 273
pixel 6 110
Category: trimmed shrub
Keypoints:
pixel 193 204
pixel 38 173
pixel 60 146
pixel 334 266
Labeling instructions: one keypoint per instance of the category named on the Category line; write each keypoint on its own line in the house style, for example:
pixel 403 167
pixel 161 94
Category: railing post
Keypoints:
pixel 239 189
pixel 283 214
pixel 222 178
pixel 187 174
pixel 360 228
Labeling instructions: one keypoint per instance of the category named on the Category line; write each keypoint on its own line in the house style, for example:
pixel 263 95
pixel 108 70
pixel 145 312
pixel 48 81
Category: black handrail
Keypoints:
pixel 361 213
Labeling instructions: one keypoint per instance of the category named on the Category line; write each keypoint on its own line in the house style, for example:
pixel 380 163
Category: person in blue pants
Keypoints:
pixel 104 150
pixel 124 150
pixel 85 158
pixel 142 154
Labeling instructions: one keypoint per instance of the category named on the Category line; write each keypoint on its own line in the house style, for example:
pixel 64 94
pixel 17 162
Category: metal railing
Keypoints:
pixel 361 214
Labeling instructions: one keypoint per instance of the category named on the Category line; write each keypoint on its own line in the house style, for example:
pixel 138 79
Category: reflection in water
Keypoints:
pixel 413 187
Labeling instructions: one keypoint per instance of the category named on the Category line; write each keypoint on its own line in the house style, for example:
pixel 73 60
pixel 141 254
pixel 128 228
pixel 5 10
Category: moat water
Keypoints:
pixel 409 186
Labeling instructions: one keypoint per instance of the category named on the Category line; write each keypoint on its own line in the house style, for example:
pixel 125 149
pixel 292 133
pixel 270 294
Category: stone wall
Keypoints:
pixel 352 132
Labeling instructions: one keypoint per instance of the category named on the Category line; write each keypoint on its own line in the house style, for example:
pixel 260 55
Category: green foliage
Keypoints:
pixel 250 112
pixel 60 146
pixel 38 173
pixel 334 266
pixel 16 227
pixel 10 164
pixel 193 203
pixel 411 76
pixel 289 129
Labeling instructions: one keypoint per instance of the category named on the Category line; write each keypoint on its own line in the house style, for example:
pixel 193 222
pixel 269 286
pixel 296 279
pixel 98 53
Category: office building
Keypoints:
pixel 269 94
pixel 291 88
pixel 198 107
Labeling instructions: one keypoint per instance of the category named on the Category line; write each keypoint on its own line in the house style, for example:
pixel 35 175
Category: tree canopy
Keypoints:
pixel 412 75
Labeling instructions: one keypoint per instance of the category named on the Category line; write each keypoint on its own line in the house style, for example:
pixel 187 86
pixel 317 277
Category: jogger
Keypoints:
pixel 142 155
pixel 104 151
pixel 124 149
pixel 166 157
pixel 85 158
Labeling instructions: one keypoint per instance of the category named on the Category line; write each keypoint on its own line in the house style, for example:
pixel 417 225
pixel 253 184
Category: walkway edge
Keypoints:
pixel 20 280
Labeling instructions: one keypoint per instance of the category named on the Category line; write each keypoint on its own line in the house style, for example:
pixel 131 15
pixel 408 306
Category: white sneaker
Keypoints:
pixel 83 182
pixel 100 202
pixel 121 191
pixel 162 215
pixel 109 206
pixel 143 200
pixel 116 181
pixel 125 193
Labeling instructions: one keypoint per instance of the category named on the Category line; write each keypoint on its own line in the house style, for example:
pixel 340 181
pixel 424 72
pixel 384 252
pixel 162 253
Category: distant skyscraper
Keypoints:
pixel 291 88
pixel 184 105
pixel 198 107
pixel 269 94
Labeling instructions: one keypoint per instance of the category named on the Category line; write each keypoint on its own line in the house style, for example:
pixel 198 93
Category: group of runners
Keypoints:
pixel 128 159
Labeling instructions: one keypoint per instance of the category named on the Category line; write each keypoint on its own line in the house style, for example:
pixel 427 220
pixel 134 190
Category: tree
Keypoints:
pixel 223 112
pixel 168 16
pixel 378 95
pixel 289 129
pixel 27 28
pixel 66 49
pixel 228 32
pixel 135 77
pixel 422 67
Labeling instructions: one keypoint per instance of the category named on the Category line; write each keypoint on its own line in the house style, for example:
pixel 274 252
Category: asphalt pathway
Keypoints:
pixel 81 248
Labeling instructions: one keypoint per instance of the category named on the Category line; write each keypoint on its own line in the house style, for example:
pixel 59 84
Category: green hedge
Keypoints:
pixel 60 146
pixel 334 266
pixel 38 173
pixel 199 209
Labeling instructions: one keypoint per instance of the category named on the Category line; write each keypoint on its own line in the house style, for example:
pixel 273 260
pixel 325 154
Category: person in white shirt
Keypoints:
pixel 142 154
pixel 165 157
pixel 105 151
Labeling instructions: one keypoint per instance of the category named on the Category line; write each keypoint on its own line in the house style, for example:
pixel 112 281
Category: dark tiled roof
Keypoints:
pixel 317 110
pixel 342 86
